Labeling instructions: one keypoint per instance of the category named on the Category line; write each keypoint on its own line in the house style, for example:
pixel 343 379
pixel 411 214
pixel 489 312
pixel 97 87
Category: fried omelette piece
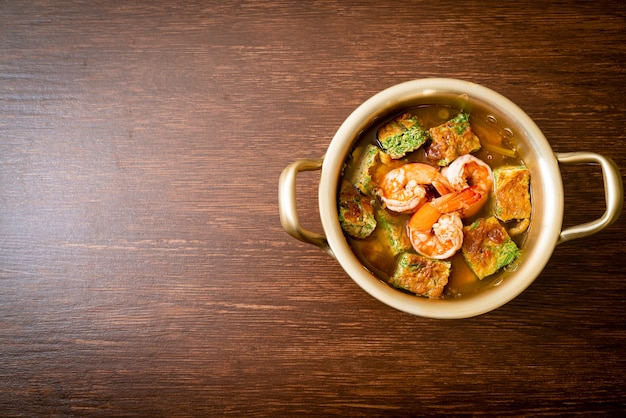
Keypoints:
pixel 451 140
pixel 393 229
pixel 401 135
pixel 356 213
pixel 362 177
pixel 420 275
pixel 512 193
pixel 487 247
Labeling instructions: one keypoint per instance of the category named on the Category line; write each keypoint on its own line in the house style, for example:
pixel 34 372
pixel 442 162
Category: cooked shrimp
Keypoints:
pixel 436 229
pixel 405 188
pixel 469 171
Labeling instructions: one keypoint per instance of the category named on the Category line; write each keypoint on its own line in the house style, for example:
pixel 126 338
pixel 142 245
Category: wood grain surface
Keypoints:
pixel 143 267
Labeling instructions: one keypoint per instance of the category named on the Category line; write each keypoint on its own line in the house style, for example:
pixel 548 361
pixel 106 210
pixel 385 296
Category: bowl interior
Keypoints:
pixel 535 151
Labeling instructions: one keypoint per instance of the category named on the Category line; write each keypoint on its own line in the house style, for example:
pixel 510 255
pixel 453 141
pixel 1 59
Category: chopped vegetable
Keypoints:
pixel 499 149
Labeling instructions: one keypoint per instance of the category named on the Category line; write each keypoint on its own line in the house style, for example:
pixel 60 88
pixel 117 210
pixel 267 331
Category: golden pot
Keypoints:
pixel 545 231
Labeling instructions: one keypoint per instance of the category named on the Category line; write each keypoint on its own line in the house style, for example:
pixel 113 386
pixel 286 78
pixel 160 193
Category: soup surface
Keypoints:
pixel 375 160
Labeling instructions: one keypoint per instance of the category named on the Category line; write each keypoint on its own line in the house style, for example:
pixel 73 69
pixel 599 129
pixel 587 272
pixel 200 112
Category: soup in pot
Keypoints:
pixel 435 201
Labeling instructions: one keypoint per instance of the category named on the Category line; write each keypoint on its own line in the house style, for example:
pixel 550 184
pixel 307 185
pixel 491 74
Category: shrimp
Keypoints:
pixel 469 171
pixel 436 229
pixel 405 188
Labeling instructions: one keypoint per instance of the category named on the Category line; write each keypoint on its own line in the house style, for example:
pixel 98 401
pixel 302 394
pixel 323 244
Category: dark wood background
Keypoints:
pixel 143 268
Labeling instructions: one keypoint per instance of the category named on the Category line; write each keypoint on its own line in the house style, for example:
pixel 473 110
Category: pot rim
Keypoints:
pixel 548 220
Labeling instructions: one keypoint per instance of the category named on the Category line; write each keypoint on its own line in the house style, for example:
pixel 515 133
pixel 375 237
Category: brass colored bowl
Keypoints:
pixel 545 230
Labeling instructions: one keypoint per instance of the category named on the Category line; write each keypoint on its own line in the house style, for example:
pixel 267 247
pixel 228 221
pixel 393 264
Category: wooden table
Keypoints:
pixel 143 267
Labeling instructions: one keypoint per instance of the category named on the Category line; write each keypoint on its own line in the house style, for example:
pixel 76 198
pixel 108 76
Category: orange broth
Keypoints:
pixel 497 149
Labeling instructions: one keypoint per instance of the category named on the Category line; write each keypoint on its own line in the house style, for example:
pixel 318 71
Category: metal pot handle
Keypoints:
pixel 613 193
pixel 287 203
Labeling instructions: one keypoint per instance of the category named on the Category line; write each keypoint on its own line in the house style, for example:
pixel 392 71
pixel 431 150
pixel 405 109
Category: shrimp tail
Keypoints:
pixel 428 214
pixel 452 202
pixel 424 219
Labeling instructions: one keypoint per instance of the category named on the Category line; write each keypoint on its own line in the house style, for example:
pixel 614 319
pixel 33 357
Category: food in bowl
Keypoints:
pixel 435 201
pixel 523 145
